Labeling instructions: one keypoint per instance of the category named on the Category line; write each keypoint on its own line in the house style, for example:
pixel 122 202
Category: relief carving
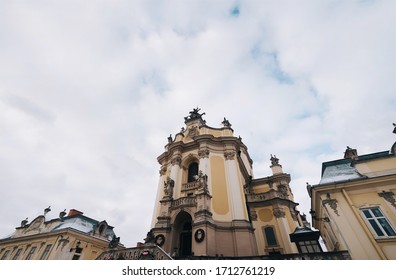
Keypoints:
pixel 282 192
pixel 162 170
pixel 176 160
pixel 332 202
pixel 193 131
pixel 388 196
pixel 253 214
pixel 204 153
pixel 278 212
pixel 229 155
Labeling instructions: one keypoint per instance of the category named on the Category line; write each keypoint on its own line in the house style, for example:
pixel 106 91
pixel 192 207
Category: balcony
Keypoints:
pixel 191 186
pixel 259 197
pixel 184 202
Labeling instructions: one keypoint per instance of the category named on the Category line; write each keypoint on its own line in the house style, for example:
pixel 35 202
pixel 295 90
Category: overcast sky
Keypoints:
pixel 90 91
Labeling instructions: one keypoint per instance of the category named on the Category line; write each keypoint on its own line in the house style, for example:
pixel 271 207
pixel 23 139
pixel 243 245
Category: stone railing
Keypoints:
pixel 341 255
pixel 265 196
pixel 190 186
pixel 154 252
pixel 144 252
pixel 184 202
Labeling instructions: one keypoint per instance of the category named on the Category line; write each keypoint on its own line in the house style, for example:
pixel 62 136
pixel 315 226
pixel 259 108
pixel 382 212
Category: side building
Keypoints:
pixel 354 204
pixel 70 237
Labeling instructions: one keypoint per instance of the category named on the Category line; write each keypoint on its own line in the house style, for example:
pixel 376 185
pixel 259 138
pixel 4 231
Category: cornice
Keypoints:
pixel 196 143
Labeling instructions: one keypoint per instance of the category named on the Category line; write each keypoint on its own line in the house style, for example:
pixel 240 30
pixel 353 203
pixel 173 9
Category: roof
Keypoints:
pixel 303 234
pixel 76 222
pixel 344 169
pixel 338 171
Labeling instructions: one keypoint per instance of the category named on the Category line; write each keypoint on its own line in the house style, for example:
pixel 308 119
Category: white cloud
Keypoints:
pixel 89 91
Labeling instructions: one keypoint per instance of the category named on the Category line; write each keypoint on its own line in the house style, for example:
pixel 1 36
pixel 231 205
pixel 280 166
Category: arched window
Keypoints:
pixel 270 236
pixel 101 228
pixel 192 171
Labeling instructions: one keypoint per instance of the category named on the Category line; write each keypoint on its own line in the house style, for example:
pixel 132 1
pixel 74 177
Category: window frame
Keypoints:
pixel 309 246
pixel 5 254
pixel 192 170
pixel 31 253
pixel 17 254
pixel 274 236
pixel 378 224
pixel 45 254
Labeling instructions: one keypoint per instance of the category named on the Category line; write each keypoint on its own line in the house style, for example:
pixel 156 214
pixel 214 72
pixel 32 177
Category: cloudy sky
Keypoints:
pixel 90 91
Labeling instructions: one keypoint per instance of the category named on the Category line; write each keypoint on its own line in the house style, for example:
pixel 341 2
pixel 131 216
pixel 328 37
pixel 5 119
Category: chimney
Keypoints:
pixel 350 153
pixel 73 212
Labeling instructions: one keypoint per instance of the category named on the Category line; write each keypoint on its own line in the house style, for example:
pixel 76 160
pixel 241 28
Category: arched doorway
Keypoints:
pixel 182 235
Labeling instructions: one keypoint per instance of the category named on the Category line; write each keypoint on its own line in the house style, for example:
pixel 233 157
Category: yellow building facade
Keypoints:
pixel 354 204
pixel 69 237
pixel 209 203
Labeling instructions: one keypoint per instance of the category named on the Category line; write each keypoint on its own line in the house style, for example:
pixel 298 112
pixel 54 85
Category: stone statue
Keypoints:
pixel 150 238
pixel 226 123
pixel 202 181
pixel 114 242
pixel 194 114
pixel 168 187
pixel 274 160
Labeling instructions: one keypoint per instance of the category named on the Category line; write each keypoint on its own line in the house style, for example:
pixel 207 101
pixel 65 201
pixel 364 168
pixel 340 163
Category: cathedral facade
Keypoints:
pixel 209 203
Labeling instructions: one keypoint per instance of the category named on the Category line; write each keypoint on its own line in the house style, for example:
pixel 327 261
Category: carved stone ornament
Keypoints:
pixel 332 202
pixel 162 170
pixel 160 240
pixel 253 214
pixel 176 160
pixel 278 213
pixel 204 153
pixel 193 131
pixel 168 187
pixel 282 192
pixel 294 214
pixel 199 235
pixel 388 196
pixel 202 181
pixel 229 155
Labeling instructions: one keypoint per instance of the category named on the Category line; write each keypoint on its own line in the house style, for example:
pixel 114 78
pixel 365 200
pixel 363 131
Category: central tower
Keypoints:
pixel 201 205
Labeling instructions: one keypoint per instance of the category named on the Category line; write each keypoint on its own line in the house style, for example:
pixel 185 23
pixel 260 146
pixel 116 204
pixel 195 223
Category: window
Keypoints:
pixel 17 254
pixel 29 256
pixel 77 254
pixel 46 251
pixel 270 236
pixel 192 171
pixel 309 246
pixel 5 254
pixel 378 222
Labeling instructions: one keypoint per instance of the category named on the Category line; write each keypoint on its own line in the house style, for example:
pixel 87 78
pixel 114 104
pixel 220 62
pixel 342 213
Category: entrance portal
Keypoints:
pixel 183 234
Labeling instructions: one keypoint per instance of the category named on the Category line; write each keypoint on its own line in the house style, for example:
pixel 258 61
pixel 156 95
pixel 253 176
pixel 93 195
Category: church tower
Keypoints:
pixel 208 203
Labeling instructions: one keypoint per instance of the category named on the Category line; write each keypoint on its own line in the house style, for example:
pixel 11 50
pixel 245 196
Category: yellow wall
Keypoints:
pixel 219 186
